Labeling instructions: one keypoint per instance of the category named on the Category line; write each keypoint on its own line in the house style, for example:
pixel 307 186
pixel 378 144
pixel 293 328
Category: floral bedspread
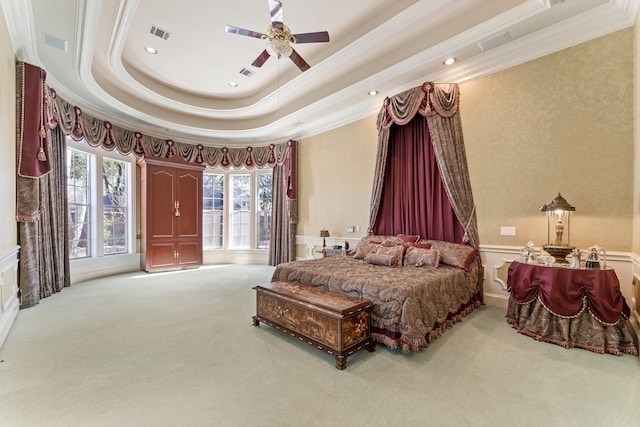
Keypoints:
pixel 417 302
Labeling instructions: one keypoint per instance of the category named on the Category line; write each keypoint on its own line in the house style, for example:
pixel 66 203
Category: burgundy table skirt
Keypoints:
pixel 570 307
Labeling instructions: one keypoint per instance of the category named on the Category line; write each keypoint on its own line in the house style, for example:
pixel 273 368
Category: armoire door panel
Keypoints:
pixel 161 255
pixel 161 204
pixel 189 253
pixel 189 197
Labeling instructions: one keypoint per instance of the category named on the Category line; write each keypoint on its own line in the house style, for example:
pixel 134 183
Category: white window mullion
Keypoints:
pixel 98 223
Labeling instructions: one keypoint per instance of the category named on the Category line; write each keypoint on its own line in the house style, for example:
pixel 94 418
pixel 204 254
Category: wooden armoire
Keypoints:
pixel 171 214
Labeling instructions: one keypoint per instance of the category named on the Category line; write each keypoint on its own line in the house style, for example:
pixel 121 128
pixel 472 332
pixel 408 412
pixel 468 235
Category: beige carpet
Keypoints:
pixel 178 349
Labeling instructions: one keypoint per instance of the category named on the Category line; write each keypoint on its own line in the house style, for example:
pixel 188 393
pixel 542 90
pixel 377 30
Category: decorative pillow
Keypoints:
pixel 422 257
pixel 397 251
pixel 392 241
pixel 409 238
pixel 364 248
pixel 429 258
pixel 455 254
pixel 386 260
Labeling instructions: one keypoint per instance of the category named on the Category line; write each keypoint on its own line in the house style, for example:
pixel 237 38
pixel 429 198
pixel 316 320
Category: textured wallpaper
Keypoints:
pixel 335 179
pixel 561 123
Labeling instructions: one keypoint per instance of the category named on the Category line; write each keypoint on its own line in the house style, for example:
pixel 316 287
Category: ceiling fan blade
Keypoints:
pixel 261 59
pixel 275 7
pixel 321 36
pixel 241 31
pixel 297 59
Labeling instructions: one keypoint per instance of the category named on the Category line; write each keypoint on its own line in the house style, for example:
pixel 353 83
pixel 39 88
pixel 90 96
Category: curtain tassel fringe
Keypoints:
pixel 41 156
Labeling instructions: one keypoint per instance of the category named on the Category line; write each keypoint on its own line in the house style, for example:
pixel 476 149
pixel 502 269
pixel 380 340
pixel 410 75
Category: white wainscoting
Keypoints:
pixel 248 256
pixel 92 268
pixel 313 244
pixel 9 304
pixel 496 260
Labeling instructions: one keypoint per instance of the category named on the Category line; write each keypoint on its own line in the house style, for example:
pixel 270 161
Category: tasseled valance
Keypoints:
pixel 96 132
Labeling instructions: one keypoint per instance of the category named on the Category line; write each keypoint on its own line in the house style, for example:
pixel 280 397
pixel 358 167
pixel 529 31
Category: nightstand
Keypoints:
pixel 570 307
pixel 329 252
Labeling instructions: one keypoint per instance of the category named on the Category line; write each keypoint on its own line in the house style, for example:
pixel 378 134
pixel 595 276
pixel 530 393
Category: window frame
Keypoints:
pixel 97 155
pixel 228 201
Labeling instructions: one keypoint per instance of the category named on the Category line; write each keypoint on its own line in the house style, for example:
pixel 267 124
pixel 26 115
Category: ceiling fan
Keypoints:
pixel 279 38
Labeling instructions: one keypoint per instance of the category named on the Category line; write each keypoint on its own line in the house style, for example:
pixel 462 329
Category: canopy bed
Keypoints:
pixel 422 204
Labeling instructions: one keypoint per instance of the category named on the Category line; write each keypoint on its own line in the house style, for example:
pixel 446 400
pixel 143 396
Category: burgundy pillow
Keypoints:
pixel 409 238
pixel 422 245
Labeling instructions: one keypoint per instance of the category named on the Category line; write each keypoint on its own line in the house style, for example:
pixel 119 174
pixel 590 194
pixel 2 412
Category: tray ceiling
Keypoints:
pixel 94 55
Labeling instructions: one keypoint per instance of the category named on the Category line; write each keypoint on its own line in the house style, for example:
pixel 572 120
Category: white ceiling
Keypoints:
pixel 183 92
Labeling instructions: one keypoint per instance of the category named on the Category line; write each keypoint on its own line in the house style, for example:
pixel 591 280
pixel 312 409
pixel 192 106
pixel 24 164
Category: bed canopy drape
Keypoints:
pixel 438 103
pixel 44 118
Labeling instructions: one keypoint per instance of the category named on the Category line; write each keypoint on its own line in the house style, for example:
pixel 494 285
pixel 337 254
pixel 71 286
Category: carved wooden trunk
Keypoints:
pixel 335 323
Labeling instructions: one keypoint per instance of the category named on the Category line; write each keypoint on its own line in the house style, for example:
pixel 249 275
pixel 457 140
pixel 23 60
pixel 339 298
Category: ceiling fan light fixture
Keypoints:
pixel 279 48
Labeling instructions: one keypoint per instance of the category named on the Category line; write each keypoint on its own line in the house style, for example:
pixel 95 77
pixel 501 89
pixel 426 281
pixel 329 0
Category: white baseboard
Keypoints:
pixel 496 300
pixel 92 268
pixel 7 317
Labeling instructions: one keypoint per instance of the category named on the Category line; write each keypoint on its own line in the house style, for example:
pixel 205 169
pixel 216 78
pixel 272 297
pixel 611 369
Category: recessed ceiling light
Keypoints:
pixel 373 92
pixel 233 84
pixel 151 50
pixel 449 61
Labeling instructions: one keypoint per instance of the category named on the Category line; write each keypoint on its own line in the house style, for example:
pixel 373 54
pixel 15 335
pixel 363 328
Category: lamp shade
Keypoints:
pixel 558 227
pixel 324 233
pixel 557 204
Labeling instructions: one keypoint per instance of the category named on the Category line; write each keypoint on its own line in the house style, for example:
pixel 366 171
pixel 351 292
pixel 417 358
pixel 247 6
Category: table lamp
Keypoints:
pixel 324 234
pixel 558 222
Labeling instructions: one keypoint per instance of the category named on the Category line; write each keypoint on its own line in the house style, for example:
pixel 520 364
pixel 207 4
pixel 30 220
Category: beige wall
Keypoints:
pixel 636 169
pixel 335 176
pixel 8 237
pixel 560 123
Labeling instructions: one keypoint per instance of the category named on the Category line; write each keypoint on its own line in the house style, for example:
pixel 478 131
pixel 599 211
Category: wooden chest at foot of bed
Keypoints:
pixel 336 323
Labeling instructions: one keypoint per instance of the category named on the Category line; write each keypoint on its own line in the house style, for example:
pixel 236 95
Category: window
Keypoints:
pixel 78 194
pixel 237 209
pixel 99 202
pixel 115 204
pixel 213 210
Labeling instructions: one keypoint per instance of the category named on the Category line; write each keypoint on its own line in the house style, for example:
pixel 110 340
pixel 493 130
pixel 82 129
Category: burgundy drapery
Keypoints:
pixel 41 201
pixel 43 121
pixel 32 138
pixel 438 103
pixel 284 215
pixel 414 200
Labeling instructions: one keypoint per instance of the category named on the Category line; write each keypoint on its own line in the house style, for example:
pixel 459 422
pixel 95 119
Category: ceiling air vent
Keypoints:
pixel 55 42
pixel 494 41
pixel 245 72
pixel 159 32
